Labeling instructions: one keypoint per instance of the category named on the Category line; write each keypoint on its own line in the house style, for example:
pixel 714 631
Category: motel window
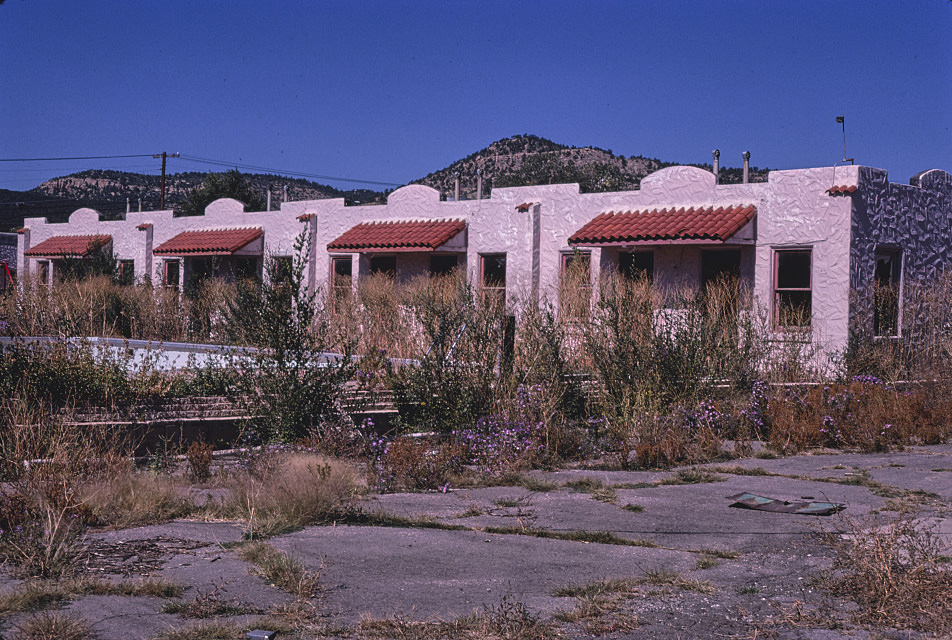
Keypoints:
pixel 342 274
pixel 246 269
pixel 493 280
pixel 127 272
pixel 281 270
pixel 636 266
pixel 43 270
pixel 171 275
pixel 886 292
pixel 383 264
pixel 793 289
pixel 575 295
pixel 441 265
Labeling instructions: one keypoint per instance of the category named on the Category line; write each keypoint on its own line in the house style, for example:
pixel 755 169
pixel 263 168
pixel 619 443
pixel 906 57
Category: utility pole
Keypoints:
pixel 164 155
pixel 842 120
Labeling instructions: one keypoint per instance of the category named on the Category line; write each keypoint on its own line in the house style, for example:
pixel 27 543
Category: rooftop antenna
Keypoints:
pixel 842 121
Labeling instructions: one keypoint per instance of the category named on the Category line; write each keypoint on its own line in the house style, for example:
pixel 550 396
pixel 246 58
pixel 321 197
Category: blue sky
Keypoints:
pixel 390 90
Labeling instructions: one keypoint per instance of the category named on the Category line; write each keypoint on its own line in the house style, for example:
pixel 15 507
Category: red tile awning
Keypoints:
pixel 208 242
pixel 398 236
pixel 68 246
pixel 691 224
pixel 842 189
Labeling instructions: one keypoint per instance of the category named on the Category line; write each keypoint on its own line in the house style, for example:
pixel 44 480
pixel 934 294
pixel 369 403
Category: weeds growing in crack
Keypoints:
pixel 894 569
pixel 54 625
pixel 282 570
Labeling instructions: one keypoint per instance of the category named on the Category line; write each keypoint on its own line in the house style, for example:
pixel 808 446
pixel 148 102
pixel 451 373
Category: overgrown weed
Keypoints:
pixel 893 569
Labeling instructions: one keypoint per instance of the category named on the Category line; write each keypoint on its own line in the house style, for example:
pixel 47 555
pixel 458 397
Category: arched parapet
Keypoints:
pixel 682 183
pixel 84 215
pixel 413 193
pixel 224 207
pixel 933 179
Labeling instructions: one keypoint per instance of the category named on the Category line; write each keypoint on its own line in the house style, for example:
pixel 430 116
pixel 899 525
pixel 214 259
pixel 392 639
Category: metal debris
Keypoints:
pixel 807 508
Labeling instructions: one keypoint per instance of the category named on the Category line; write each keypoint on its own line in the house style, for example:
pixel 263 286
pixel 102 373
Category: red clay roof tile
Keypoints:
pixel 208 242
pixel 400 235
pixel 713 223
pixel 72 246
pixel 841 189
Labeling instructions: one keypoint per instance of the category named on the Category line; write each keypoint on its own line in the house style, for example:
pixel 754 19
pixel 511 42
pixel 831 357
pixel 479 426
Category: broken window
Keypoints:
pixel 342 274
pixel 171 275
pixel 282 270
pixel 793 289
pixel 246 269
pixel 637 266
pixel 886 292
pixel 383 264
pixel 575 293
pixel 127 272
pixel 441 265
pixel 493 280
pixel 43 271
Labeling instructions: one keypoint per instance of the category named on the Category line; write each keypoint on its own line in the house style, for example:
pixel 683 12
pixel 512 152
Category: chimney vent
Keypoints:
pixel 717 164
pixel 479 184
pixel 456 186
pixel 746 156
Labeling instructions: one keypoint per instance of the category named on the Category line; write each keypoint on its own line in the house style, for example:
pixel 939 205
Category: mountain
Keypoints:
pixel 528 160
pixel 515 161
pixel 106 191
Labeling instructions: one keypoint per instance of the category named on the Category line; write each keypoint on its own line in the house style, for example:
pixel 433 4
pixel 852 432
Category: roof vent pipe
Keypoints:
pixel 269 198
pixel 717 164
pixel 128 205
pixel 140 204
pixel 456 186
pixel 746 156
pixel 285 193
pixel 479 184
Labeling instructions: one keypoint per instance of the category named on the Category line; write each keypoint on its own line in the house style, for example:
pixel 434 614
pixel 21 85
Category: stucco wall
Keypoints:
pixel 798 212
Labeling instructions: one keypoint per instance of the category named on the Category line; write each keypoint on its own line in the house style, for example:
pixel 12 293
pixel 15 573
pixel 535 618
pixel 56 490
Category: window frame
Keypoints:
pixel 495 292
pixel 566 258
pixel 777 291
pixel 44 272
pixel 178 273
pixel 895 283
pixel 126 272
pixel 341 292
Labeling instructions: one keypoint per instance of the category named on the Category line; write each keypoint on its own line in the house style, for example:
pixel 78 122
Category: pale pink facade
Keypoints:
pixel 833 220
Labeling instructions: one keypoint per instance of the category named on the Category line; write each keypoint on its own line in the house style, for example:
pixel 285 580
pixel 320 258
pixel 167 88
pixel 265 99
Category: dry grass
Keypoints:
pixel 54 625
pixel 510 620
pixel 894 570
pixel 282 570
pixel 290 491
pixel 131 498
pixel 33 595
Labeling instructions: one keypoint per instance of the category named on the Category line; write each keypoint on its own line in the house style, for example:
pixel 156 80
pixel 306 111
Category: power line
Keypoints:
pixel 135 155
pixel 222 163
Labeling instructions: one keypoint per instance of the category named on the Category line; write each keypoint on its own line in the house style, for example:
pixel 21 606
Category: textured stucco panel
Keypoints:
pixel 916 219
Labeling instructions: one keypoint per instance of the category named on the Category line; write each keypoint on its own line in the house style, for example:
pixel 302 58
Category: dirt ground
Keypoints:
pixel 692 565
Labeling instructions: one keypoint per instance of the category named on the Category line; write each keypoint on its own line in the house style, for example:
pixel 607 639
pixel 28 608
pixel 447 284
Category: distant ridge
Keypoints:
pixel 515 161
pixel 529 160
